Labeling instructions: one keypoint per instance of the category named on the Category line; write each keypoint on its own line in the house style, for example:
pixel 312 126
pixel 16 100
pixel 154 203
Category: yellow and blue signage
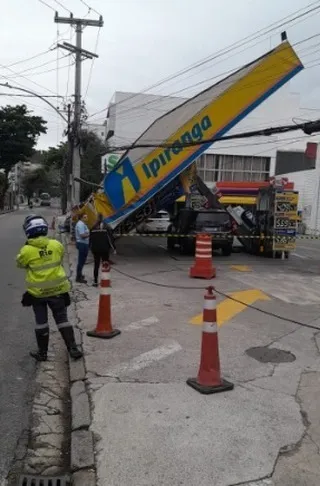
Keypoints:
pixel 130 185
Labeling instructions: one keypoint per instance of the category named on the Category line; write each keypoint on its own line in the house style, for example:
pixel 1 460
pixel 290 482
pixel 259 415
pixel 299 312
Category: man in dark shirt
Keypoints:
pixel 101 241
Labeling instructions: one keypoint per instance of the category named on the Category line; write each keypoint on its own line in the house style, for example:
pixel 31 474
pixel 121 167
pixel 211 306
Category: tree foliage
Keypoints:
pixel 35 181
pixel 91 150
pixel 19 131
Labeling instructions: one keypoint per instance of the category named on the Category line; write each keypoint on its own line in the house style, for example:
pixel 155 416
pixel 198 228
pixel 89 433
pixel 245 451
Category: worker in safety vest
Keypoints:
pixel 47 285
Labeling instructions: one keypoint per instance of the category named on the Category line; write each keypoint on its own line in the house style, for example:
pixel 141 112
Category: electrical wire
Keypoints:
pixel 49 6
pixel 90 9
pixel 63 6
pixel 29 58
pixel 308 128
pixel 274 26
pixel 92 62
pixel 226 73
pixel 29 80
pixel 250 306
pixel 57 80
pixel 70 63
pixel 35 106
pixel 29 96
pixel 41 65
pixel 40 72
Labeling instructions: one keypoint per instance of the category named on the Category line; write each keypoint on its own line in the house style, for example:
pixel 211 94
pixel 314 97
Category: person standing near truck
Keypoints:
pixel 101 242
pixel 82 234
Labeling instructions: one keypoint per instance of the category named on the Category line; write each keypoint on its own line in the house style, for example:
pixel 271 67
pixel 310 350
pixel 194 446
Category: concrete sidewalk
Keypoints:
pixel 151 429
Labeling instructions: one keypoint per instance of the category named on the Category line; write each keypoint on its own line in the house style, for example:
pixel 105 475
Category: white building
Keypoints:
pixel 99 130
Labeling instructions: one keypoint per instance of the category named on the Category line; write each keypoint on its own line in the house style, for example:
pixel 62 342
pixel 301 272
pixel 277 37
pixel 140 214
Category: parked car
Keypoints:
pixel 45 199
pixel 155 224
pixel 189 222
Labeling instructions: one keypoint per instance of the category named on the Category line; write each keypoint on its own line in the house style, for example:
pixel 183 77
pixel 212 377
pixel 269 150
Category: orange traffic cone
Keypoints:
pixel 203 267
pixel 104 326
pixel 209 379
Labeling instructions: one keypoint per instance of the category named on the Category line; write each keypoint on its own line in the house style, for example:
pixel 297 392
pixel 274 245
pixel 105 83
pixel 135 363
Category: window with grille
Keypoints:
pixel 225 167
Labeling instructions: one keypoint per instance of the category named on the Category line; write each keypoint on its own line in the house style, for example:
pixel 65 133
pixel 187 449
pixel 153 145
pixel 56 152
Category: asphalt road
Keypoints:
pixel 17 338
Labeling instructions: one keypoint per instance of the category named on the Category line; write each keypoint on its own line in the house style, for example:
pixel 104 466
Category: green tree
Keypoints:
pixel 91 150
pixel 19 131
pixel 36 181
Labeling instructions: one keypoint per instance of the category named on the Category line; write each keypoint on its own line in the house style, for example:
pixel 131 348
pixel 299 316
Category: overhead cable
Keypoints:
pixel 314 6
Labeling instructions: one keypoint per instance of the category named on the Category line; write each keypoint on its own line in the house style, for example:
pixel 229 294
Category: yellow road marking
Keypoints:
pixel 228 308
pixel 241 268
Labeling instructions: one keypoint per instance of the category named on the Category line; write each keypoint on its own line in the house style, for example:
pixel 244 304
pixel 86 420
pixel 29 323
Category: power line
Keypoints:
pixel 126 112
pixel 63 6
pixel 30 96
pixel 308 128
pixel 25 90
pixel 226 73
pixel 90 9
pixel 29 58
pixel 250 306
pixel 29 80
pixel 92 63
pixel 70 63
pixel 41 65
pixel 49 6
pixel 226 50
pixel 40 72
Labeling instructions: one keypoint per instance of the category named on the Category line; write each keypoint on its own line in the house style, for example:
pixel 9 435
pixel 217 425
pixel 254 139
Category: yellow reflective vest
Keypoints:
pixel 42 258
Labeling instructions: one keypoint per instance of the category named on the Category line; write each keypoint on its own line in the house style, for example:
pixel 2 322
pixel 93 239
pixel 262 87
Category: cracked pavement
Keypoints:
pixel 150 428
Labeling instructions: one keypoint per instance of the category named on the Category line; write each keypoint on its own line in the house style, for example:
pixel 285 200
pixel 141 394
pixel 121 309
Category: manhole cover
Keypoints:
pixel 270 355
pixel 43 481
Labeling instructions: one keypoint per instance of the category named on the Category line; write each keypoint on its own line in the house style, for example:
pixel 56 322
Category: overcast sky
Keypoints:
pixel 142 42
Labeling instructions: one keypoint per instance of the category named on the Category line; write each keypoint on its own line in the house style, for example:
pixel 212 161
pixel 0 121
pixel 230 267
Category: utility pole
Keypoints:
pixel 66 168
pixel 80 55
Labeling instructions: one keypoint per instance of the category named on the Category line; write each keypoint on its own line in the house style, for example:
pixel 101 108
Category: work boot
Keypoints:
pixel 42 336
pixel 81 280
pixel 67 334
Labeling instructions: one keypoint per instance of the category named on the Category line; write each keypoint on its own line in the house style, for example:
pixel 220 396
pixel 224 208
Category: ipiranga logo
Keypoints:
pixel 126 181
pixel 196 134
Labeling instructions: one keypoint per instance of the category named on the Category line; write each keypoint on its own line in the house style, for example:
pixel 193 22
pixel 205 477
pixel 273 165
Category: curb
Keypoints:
pixel 7 211
pixel 82 449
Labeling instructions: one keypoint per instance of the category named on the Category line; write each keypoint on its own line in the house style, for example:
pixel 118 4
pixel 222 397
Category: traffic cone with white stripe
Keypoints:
pixel 203 267
pixel 209 378
pixel 104 328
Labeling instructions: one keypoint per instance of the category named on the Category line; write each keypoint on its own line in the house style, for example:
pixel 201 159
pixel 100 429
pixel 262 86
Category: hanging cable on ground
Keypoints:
pixel 250 306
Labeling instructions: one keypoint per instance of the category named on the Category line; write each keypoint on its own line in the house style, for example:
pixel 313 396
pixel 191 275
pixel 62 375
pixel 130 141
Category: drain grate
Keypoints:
pixel 26 480
pixel 270 355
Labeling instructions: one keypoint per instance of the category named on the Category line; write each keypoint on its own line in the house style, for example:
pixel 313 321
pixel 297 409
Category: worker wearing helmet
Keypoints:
pixel 47 285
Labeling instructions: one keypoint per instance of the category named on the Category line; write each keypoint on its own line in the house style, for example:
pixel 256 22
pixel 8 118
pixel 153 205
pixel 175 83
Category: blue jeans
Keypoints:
pixel 83 250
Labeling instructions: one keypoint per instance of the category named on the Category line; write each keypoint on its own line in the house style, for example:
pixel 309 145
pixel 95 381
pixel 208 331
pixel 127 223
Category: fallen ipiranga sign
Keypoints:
pixel 142 172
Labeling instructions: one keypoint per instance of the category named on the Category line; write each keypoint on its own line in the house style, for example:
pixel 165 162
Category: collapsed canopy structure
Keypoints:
pixel 147 179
